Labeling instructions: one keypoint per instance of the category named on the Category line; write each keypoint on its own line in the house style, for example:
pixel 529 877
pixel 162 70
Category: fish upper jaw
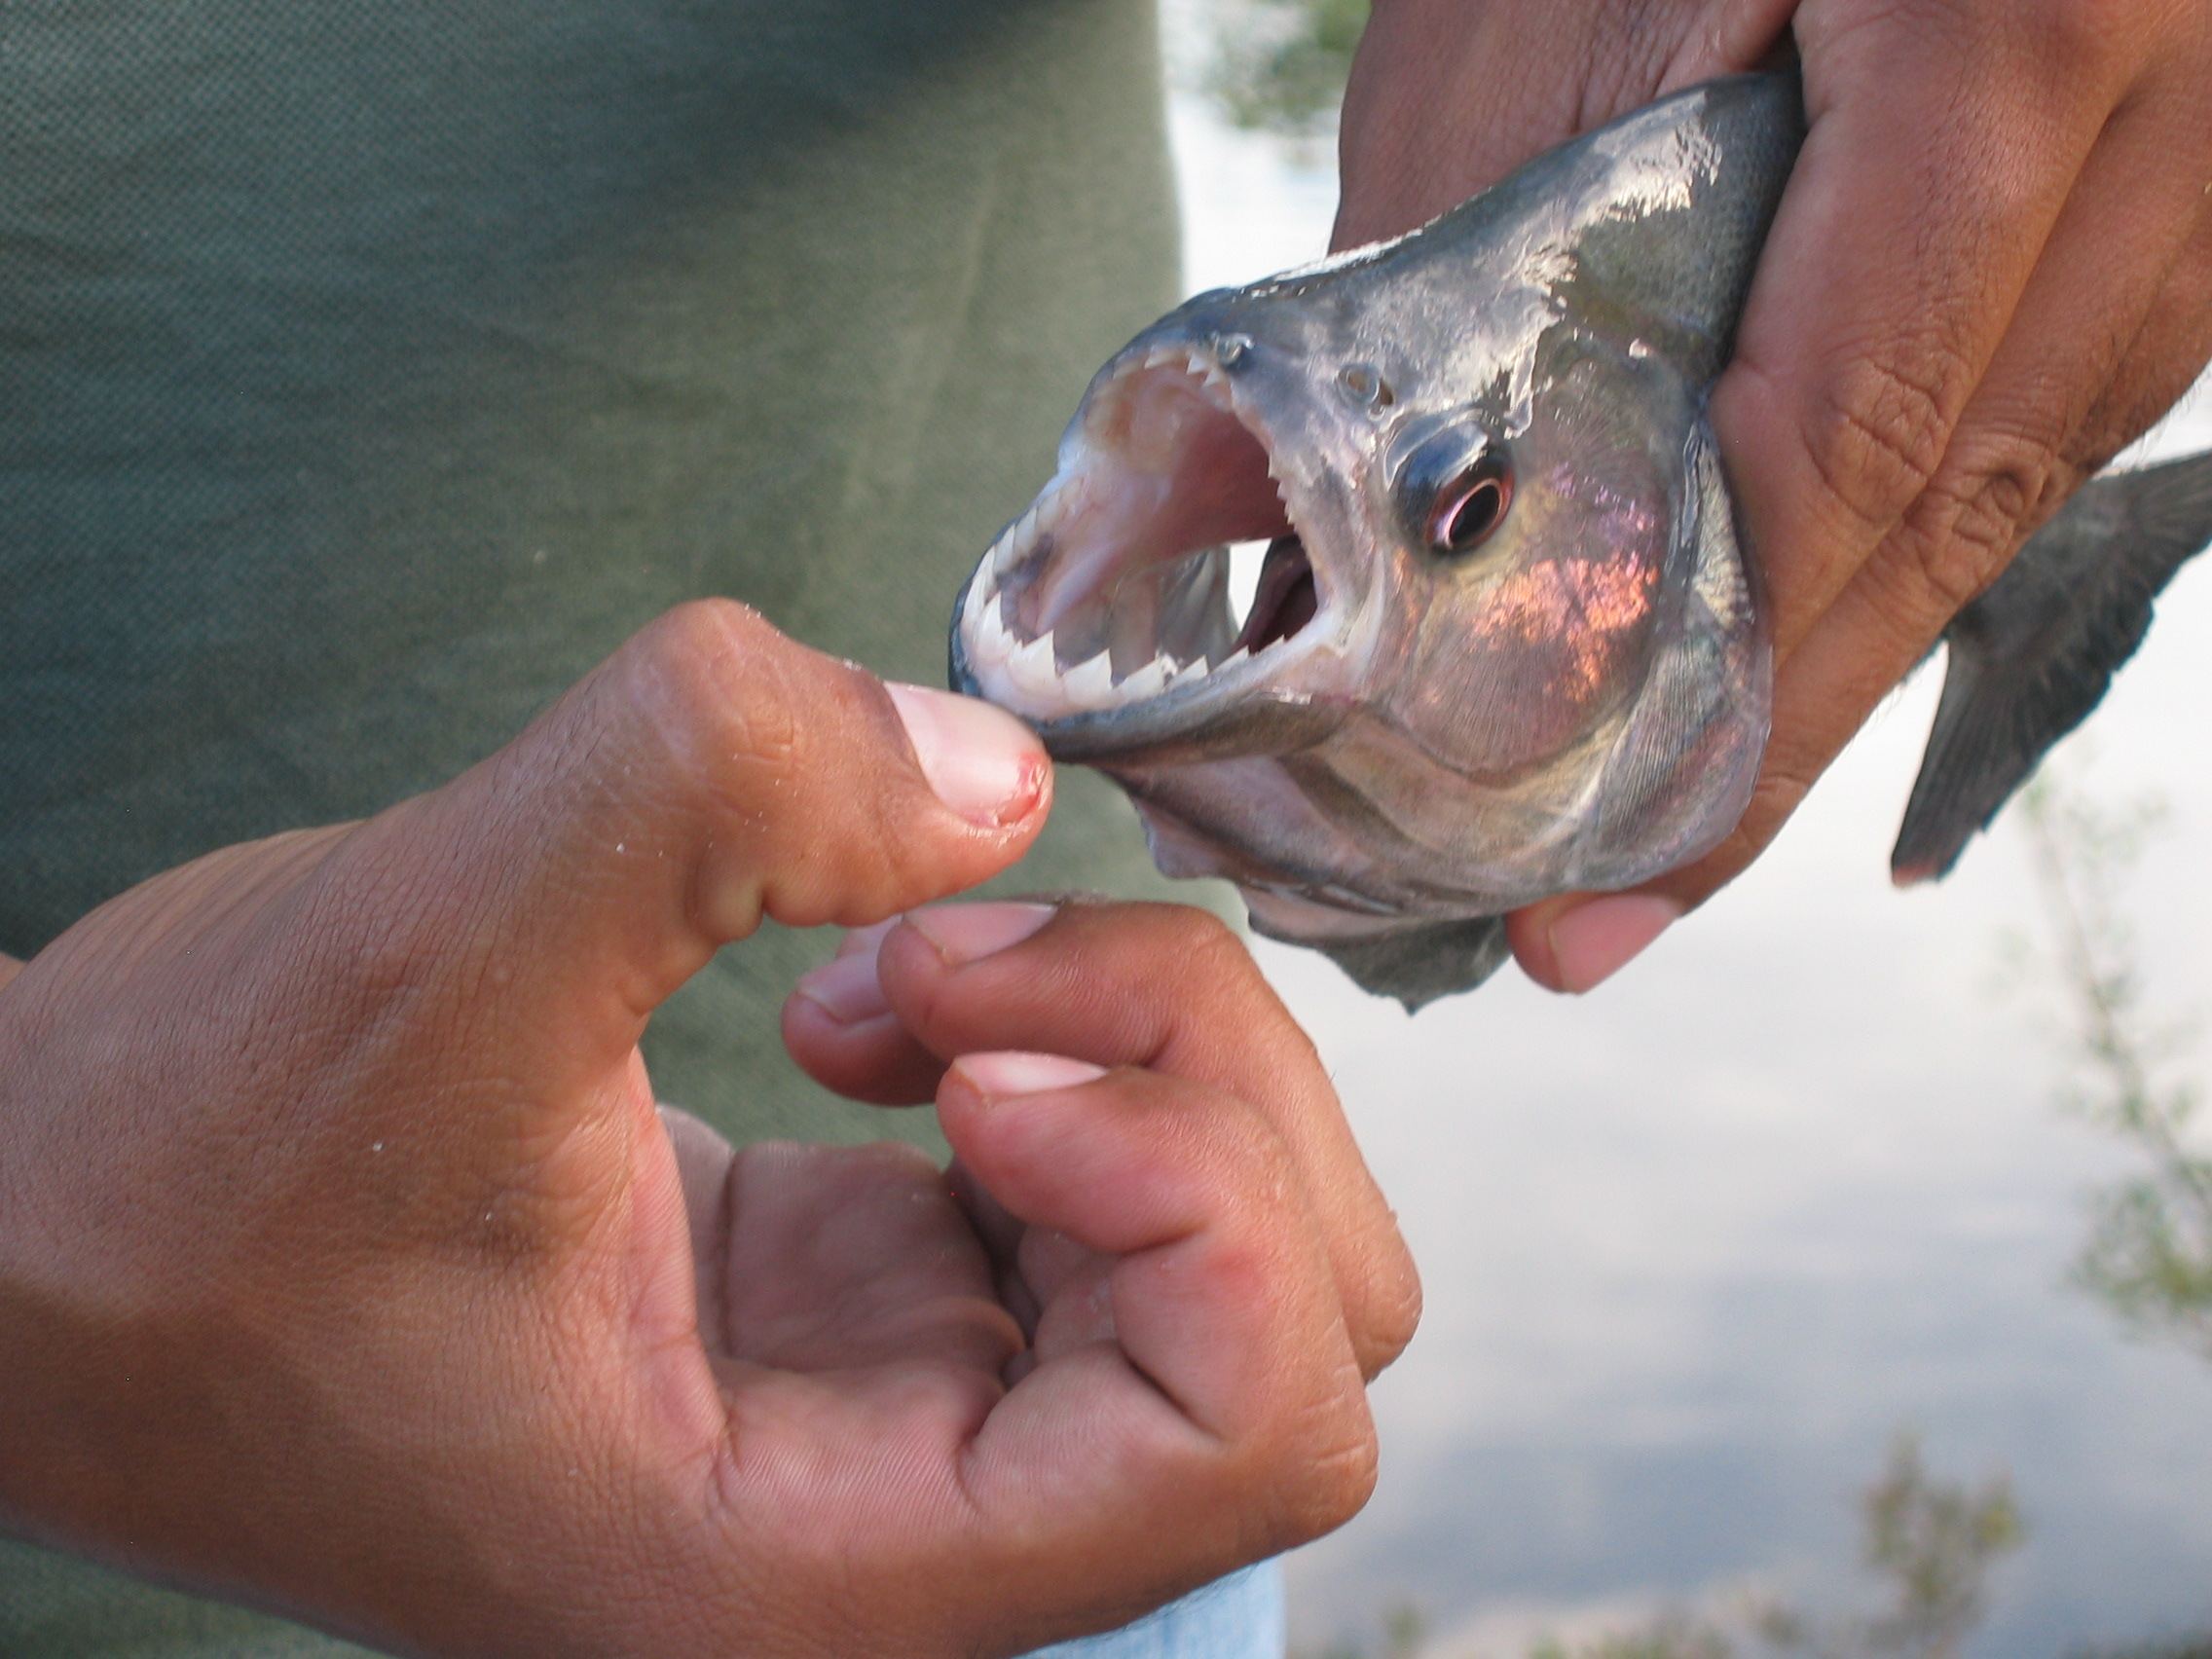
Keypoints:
pixel 1102 615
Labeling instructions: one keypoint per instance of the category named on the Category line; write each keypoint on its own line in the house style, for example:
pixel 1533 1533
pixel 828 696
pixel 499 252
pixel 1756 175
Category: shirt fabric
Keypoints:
pixel 369 372
pixel 1238 1617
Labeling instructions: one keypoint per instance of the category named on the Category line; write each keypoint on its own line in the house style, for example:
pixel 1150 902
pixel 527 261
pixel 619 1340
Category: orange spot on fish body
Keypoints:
pixel 1583 613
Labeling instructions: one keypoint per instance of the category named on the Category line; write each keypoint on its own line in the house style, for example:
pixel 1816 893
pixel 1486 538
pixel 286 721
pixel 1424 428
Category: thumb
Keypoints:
pixel 710 773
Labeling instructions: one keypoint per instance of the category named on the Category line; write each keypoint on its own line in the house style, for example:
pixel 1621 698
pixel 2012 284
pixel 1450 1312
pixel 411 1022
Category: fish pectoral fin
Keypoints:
pixel 1422 961
pixel 2031 657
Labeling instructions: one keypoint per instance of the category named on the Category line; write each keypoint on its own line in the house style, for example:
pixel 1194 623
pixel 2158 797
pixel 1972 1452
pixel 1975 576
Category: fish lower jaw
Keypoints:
pixel 1029 677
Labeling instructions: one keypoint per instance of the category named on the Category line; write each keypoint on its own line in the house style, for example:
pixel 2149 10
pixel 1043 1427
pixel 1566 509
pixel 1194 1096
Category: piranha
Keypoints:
pixel 1507 639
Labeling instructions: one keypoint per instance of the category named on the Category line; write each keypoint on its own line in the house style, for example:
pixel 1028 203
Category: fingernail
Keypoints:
pixel 864 941
pixel 968 933
pixel 847 989
pixel 1013 1072
pixel 980 761
pixel 1593 941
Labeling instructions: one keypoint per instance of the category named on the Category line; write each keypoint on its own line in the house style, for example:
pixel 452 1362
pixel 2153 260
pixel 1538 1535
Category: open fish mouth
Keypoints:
pixel 1108 602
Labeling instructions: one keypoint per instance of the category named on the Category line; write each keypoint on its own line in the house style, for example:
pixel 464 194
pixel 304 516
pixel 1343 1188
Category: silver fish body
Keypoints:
pixel 1507 642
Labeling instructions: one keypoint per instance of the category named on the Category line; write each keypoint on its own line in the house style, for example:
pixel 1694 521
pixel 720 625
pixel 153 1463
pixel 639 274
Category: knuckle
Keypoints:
pixel 1335 1474
pixel 1878 438
pixel 1215 955
pixel 1933 577
pixel 1196 954
pixel 1393 1309
pixel 772 752
pixel 725 686
pixel 1969 558
pixel 1964 532
pixel 691 639
pixel 1267 1190
pixel 763 738
pixel 1188 932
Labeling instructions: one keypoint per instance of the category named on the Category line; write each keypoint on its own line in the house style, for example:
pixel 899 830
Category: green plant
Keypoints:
pixel 1673 1634
pixel 1279 65
pixel 1405 1627
pixel 1934 1542
pixel 2149 1256
pixel 1931 1543
pixel 2167 1647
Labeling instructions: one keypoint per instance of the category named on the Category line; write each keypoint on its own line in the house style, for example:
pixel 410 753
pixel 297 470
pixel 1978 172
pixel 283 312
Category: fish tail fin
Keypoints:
pixel 2031 657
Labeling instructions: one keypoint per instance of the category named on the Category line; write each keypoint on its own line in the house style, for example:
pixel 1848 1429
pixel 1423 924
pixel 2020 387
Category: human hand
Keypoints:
pixel 345 1267
pixel 1197 1045
pixel 1991 270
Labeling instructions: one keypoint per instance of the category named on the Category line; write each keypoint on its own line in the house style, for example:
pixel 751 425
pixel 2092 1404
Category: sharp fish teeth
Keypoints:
pixel 1148 681
pixel 1016 541
pixel 1233 659
pixel 989 643
pixel 982 596
pixel 1090 685
pixel 1188 673
pixel 1020 538
pixel 1032 671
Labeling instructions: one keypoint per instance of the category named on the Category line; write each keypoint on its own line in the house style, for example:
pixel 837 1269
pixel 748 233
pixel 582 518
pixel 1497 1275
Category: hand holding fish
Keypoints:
pixel 348 1269
pixel 1514 640
pixel 1991 270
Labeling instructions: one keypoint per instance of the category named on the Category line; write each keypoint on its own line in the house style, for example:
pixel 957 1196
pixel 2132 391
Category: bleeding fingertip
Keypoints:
pixel 1011 1072
pixel 846 989
pixel 1593 941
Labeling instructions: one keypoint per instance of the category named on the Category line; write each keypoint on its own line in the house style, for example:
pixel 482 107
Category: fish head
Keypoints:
pixel 1505 640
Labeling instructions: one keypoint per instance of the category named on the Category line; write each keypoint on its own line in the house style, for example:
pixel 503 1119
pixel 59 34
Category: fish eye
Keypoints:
pixel 1452 483
pixel 1471 506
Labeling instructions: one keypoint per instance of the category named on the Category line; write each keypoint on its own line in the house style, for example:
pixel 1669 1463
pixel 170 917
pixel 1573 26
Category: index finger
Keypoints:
pixel 1218 1415
pixel 1171 990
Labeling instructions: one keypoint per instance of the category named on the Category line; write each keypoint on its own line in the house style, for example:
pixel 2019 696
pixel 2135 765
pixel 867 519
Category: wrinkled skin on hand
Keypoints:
pixel 1992 270
pixel 348 1269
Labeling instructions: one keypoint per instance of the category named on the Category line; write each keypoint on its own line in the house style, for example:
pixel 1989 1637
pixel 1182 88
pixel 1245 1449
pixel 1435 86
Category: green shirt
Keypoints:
pixel 369 371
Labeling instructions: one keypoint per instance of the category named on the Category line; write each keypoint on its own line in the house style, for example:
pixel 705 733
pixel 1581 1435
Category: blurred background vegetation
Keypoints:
pixel 2149 1254
pixel 1930 1543
pixel 1279 65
